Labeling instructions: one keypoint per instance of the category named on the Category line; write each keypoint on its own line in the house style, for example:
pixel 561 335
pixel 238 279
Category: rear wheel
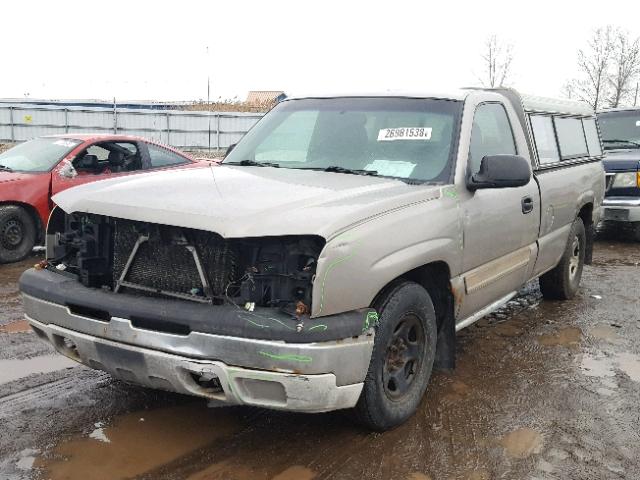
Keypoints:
pixel 563 281
pixel 17 233
pixel 402 358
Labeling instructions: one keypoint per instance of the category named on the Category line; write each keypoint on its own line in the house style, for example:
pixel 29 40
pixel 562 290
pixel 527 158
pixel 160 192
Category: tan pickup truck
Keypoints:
pixel 328 262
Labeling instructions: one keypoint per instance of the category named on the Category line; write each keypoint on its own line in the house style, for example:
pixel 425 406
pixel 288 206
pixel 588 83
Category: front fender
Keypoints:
pixel 356 265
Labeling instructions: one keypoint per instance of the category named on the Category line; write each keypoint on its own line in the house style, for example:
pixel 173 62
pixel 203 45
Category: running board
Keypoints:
pixel 485 311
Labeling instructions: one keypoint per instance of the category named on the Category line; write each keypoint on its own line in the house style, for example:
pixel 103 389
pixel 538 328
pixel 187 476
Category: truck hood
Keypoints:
pixel 236 201
pixel 621 160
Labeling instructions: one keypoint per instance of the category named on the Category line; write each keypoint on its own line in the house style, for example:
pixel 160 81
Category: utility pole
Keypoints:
pixel 635 100
pixel 208 98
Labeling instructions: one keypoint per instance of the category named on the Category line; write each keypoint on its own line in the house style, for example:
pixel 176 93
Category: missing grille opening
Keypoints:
pixel 92 313
pixel 160 325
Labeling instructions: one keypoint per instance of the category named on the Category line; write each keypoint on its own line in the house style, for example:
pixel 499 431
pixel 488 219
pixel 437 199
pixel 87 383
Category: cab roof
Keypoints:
pixel 529 102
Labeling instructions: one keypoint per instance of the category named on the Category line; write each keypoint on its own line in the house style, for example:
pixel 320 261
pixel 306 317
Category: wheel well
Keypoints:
pixel 34 216
pixel 586 214
pixel 435 278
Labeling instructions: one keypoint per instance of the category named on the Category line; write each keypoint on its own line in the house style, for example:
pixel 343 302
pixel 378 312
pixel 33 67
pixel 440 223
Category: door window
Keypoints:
pixel 161 157
pixel 491 134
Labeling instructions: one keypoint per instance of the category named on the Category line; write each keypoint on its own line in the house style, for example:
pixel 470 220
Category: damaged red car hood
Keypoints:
pixel 238 201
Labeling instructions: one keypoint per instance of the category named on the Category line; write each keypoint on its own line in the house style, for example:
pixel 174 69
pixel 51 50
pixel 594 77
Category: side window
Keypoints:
pixel 491 134
pixel 161 157
pixel 591 132
pixel 98 151
pixel 571 138
pixel 545 139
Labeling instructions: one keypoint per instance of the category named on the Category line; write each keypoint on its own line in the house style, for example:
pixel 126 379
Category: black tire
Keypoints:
pixel 636 231
pixel 402 359
pixel 17 233
pixel 563 281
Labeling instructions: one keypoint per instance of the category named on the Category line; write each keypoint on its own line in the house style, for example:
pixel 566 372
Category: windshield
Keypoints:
pixel 620 129
pixel 394 137
pixel 37 155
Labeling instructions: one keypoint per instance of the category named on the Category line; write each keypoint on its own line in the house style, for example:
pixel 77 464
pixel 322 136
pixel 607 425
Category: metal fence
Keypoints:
pixel 183 129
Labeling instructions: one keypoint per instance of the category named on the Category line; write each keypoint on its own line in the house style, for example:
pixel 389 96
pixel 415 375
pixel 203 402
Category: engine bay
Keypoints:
pixel 147 259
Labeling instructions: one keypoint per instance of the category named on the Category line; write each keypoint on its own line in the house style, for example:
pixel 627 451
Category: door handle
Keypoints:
pixel 527 205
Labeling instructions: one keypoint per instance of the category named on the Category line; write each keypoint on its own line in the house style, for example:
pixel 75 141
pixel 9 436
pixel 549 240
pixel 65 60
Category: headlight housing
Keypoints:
pixel 626 180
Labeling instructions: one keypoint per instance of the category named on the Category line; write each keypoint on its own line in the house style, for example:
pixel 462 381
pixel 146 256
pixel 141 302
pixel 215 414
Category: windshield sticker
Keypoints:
pixel 65 143
pixel 404 133
pixel 638 123
pixel 391 168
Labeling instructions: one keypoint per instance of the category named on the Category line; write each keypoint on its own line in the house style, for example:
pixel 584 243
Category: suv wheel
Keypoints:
pixel 563 281
pixel 17 233
pixel 402 359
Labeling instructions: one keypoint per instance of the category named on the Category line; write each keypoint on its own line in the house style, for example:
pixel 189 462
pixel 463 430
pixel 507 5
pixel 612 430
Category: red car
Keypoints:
pixel 32 172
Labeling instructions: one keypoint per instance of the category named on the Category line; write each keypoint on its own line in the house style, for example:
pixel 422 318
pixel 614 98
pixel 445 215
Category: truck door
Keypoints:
pixel 500 225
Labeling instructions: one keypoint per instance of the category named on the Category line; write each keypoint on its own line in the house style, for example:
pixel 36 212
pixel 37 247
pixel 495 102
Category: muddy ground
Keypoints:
pixel 543 390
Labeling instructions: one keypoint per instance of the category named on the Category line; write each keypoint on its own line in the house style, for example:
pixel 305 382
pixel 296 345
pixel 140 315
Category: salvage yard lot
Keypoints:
pixel 542 390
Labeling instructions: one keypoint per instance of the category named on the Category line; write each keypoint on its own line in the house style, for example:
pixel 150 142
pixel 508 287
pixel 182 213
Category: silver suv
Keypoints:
pixel 328 262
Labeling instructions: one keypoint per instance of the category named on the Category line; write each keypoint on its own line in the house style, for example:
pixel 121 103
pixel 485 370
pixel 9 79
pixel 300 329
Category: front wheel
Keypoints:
pixel 402 359
pixel 17 233
pixel 563 281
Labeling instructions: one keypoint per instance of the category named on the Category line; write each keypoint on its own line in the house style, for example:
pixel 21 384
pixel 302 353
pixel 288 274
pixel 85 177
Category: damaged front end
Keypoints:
pixel 192 312
pixel 146 259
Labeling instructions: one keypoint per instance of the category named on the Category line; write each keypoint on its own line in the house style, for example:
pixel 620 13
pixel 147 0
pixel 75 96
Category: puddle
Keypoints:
pixel 477 475
pixel 20 326
pixel 522 443
pixel 137 443
pixel 296 473
pixel 11 370
pixel 605 332
pixel 229 471
pixel 630 364
pixel 569 337
pixel 597 366
pixel 418 476
pixel 27 458
pixel 603 367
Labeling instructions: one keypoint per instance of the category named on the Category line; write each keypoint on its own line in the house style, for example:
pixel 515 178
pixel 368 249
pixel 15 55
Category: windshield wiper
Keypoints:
pixel 252 163
pixel 5 168
pixel 339 169
pixel 617 140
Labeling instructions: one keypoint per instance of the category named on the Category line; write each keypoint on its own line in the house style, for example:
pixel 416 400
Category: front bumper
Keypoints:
pixel 233 385
pixel 310 376
pixel 621 209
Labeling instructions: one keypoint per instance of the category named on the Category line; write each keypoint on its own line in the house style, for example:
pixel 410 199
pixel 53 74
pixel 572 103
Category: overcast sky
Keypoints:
pixel 158 50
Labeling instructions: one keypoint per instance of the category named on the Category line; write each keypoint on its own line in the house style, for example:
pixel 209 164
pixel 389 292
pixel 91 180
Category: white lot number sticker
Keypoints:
pixel 404 133
pixel 638 123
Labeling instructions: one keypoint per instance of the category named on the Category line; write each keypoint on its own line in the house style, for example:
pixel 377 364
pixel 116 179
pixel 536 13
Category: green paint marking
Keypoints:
pixel 370 320
pixel 320 327
pixel 451 193
pixel 256 324
pixel 287 357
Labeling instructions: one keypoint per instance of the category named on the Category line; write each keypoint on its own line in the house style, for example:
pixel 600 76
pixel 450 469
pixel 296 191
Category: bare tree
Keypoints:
pixel 593 63
pixel 497 61
pixel 625 68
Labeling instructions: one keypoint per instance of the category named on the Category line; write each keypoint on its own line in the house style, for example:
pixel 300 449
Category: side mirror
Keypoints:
pixel 67 170
pixel 501 171
pixel 230 149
